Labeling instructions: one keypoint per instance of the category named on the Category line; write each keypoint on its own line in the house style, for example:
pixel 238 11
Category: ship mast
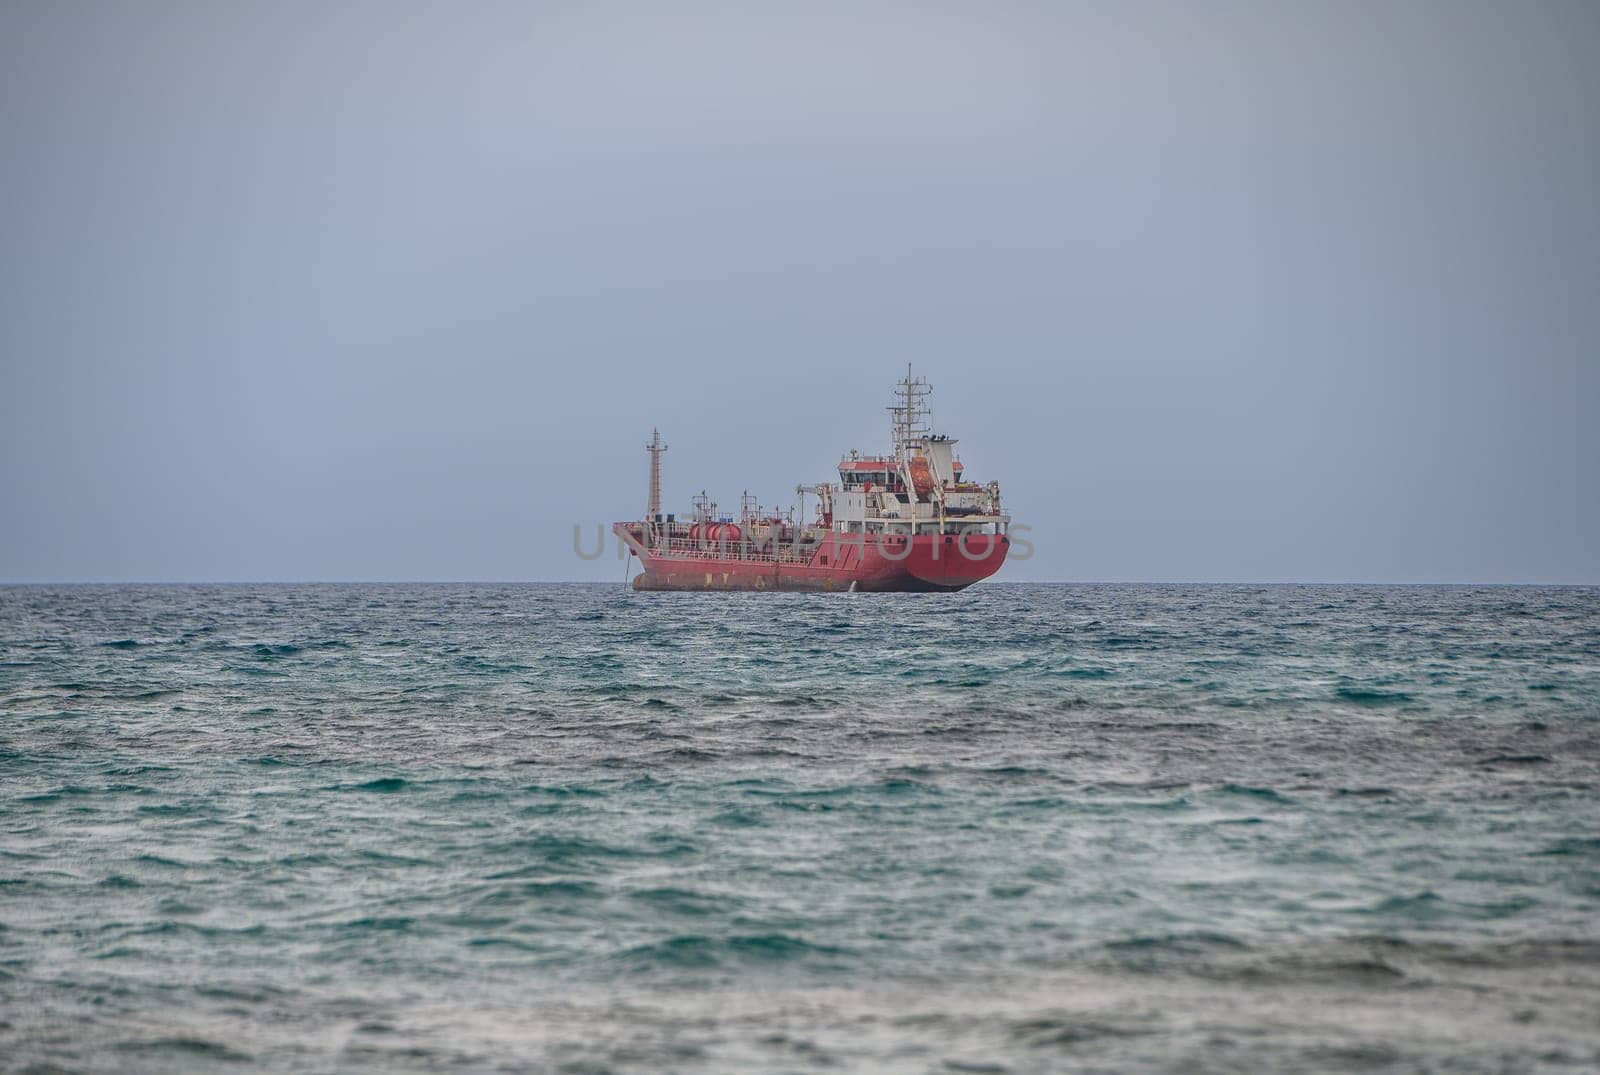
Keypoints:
pixel 909 414
pixel 655 448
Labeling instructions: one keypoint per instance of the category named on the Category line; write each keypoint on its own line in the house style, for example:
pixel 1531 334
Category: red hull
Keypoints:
pixel 925 563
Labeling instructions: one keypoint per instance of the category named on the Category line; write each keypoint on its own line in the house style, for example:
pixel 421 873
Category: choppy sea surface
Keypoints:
pixel 1015 829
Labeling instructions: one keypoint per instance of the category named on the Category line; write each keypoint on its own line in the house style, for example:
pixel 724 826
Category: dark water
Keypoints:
pixel 1016 829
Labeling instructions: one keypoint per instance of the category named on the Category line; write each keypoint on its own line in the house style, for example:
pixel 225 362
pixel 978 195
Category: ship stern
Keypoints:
pixel 946 562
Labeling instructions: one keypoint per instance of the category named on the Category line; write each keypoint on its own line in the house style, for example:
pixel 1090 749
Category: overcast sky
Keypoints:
pixel 1268 291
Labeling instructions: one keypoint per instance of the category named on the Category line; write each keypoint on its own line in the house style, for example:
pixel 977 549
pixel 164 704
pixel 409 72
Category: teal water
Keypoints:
pixel 1016 829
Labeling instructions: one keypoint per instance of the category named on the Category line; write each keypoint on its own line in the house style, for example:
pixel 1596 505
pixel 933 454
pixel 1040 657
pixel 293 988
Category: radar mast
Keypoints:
pixel 909 415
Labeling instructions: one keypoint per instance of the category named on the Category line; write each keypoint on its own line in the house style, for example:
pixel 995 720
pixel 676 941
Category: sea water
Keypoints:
pixel 1016 829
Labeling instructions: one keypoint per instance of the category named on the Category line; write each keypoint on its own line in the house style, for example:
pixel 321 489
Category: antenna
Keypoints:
pixel 655 448
pixel 909 413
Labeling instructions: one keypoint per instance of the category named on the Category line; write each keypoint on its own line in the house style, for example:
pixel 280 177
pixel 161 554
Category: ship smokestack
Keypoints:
pixel 655 448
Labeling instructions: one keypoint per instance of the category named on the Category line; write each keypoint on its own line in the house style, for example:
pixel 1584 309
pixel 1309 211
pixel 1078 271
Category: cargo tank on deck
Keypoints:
pixel 909 520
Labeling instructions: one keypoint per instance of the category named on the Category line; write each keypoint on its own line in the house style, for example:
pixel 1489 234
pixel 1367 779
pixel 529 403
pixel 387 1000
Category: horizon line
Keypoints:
pixel 11 584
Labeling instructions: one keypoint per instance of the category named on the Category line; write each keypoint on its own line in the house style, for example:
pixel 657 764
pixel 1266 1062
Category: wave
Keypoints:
pixel 702 952
pixel 544 891
pixel 1573 845
pixel 1055 1030
pixel 185 1050
pixel 1249 792
pixel 1372 697
pixel 683 901
pixel 1182 942
pixel 1430 906
pixel 386 785
pixel 117 880
pixel 554 848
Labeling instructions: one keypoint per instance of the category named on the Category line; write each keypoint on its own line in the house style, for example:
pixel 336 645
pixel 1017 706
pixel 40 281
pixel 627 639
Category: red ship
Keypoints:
pixel 906 521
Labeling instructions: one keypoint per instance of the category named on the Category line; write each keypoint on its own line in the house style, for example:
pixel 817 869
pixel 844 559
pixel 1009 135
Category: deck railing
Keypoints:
pixel 749 551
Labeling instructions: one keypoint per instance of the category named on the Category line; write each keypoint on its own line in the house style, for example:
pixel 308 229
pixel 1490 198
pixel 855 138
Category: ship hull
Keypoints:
pixel 927 563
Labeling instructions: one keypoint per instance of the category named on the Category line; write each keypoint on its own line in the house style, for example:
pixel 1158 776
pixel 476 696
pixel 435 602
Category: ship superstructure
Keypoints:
pixel 907 520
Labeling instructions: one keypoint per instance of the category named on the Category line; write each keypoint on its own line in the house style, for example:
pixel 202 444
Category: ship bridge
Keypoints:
pixel 878 470
pixel 920 487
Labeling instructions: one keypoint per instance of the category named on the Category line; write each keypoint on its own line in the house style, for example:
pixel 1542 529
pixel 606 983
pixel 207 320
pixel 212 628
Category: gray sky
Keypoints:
pixel 385 291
